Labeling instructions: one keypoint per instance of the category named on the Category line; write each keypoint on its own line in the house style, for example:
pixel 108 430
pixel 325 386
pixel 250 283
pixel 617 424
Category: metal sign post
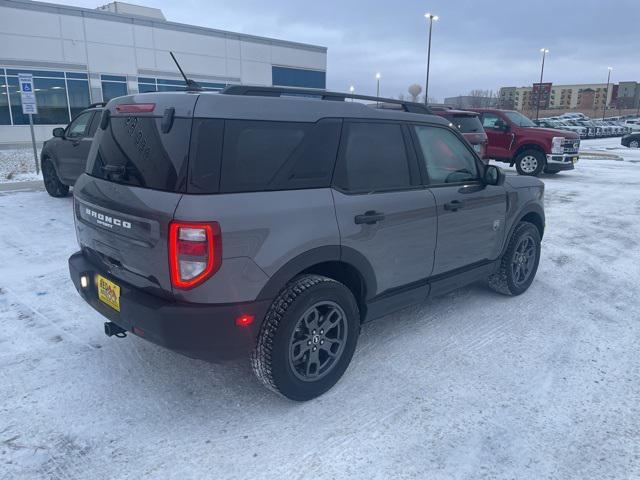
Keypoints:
pixel 29 107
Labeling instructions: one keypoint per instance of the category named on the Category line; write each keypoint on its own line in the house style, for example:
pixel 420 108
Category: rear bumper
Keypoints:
pixel 202 331
pixel 556 163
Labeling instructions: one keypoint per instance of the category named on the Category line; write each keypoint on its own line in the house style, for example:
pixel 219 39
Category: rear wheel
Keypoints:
pixel 634 144
pixel 519 263
pixel 52 183
pixel 530 162
pixel 308 338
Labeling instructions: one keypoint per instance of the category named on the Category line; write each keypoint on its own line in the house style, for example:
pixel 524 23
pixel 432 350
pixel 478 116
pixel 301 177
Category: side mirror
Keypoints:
pixel 58 132
pixel 493 175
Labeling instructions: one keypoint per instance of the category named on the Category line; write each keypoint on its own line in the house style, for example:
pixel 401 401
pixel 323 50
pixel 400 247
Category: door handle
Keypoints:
pixel 454 205
pixel 369 217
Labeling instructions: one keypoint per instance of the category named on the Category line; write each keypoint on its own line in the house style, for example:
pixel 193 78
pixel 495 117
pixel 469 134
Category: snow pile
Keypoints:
pixel 472 385
pixel 18 165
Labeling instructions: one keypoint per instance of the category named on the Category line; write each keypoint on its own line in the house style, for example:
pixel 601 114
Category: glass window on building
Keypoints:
pixel 5 116
pixel 78 92
pixel 59 95
pixel 113 86
pixel 296 77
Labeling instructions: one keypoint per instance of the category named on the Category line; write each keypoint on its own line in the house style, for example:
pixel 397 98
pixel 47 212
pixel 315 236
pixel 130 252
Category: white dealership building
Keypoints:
pixel 79 56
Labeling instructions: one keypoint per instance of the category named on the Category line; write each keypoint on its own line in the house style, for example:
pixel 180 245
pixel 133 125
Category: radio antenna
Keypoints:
pixel 192 85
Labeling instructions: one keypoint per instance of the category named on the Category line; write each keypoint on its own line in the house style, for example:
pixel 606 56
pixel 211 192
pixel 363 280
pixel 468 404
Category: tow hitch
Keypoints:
pixel 111 329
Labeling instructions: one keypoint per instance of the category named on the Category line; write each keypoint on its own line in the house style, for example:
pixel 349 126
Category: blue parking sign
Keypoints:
pixel 26 87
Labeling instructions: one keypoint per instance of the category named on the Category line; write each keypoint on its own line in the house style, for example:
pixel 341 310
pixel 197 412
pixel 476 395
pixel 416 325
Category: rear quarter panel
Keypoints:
pixel 261 232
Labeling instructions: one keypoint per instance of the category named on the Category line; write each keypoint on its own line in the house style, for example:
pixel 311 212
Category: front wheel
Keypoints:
pixel 634 144
pixel 519 263
pixel 52 183
pixel 308 338
pixel 531 162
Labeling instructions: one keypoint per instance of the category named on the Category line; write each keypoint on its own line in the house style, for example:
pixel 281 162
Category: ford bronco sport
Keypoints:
pixel 253 223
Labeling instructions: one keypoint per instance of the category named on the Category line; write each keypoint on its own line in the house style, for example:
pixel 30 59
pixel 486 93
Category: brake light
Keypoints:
pixel 195 252
pixel 135 107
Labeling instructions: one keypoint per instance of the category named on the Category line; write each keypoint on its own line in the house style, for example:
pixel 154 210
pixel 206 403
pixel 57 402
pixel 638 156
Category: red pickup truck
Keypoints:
pixel 515 139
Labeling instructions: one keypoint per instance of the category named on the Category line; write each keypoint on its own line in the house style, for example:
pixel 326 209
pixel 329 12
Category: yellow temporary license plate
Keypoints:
pixel 574 159
pixel 108 292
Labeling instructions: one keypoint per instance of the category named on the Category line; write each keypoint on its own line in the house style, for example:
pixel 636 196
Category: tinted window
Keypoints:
pixel 447 159
pixel 373 157
pixel 260 155
pixel 467 123
pixel 78 128
pixel 134 151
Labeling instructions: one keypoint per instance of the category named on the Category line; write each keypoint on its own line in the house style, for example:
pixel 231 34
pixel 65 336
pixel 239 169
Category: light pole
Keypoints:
pixel 544 54
pixel 351 90
pixel 606 93
pixel 378 86
pixel 431 17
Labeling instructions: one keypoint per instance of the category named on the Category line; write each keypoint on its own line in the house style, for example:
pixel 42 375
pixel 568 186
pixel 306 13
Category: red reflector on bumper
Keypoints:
pixel 245 320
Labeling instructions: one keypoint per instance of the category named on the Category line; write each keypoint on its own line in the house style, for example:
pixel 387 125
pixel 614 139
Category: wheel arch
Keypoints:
pixel 532 213
pixel 342 264
pixel 46 156
pixel 528 146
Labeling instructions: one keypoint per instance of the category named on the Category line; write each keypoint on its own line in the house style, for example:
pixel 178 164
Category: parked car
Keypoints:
pixel 249 224
pixel 515 139
pixel 64 156
pixel 469 125
pixel 633 125
pixel 632 140
pixel 560 125
pixel 591 129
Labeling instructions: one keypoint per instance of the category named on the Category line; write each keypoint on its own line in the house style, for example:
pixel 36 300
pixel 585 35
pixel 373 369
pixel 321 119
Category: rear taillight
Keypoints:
pixel 195 252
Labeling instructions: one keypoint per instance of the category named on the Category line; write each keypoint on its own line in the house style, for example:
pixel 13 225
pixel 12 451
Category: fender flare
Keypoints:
pixel 530 207
pixel 306 260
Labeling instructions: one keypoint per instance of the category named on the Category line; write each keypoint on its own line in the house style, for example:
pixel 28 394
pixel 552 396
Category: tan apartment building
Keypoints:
pixel 585 96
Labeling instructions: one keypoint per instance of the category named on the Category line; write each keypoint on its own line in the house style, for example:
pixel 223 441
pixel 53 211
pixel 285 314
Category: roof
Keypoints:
pixel 298 109
pixel 151 22
pixel 291 109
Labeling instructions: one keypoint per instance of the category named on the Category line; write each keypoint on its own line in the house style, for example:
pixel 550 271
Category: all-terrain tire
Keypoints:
pixel 271 358
pixel 52 183
pixel 503 281
pixel 531 162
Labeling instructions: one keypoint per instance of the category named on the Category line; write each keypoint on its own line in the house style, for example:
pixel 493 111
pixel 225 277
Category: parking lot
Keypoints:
pixel 545 385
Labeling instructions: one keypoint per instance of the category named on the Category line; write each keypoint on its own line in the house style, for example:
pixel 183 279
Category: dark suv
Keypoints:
pixel 250 224
pixel 64 157
pixel 469 125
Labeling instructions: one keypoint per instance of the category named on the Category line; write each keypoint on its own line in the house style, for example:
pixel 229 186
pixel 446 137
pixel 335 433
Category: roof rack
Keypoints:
pixel 97 104
pixel 248 90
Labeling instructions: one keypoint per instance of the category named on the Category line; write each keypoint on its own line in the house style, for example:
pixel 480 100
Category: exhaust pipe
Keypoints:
pixel 111 329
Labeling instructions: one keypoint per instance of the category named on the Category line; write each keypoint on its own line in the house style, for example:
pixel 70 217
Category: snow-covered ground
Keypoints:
pixel 472 385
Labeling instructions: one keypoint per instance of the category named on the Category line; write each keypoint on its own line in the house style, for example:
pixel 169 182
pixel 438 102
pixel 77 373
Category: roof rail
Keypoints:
pixel 97 104
pixel 249 90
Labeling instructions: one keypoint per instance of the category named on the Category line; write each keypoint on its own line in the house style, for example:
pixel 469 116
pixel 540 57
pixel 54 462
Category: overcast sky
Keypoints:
pixel 476 44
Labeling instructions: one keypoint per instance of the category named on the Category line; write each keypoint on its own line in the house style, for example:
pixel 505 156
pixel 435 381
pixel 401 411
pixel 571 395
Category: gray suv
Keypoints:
pixel 270 224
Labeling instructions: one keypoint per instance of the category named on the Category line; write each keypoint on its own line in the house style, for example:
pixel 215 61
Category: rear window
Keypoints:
pixel 467 123
pixel 134 151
